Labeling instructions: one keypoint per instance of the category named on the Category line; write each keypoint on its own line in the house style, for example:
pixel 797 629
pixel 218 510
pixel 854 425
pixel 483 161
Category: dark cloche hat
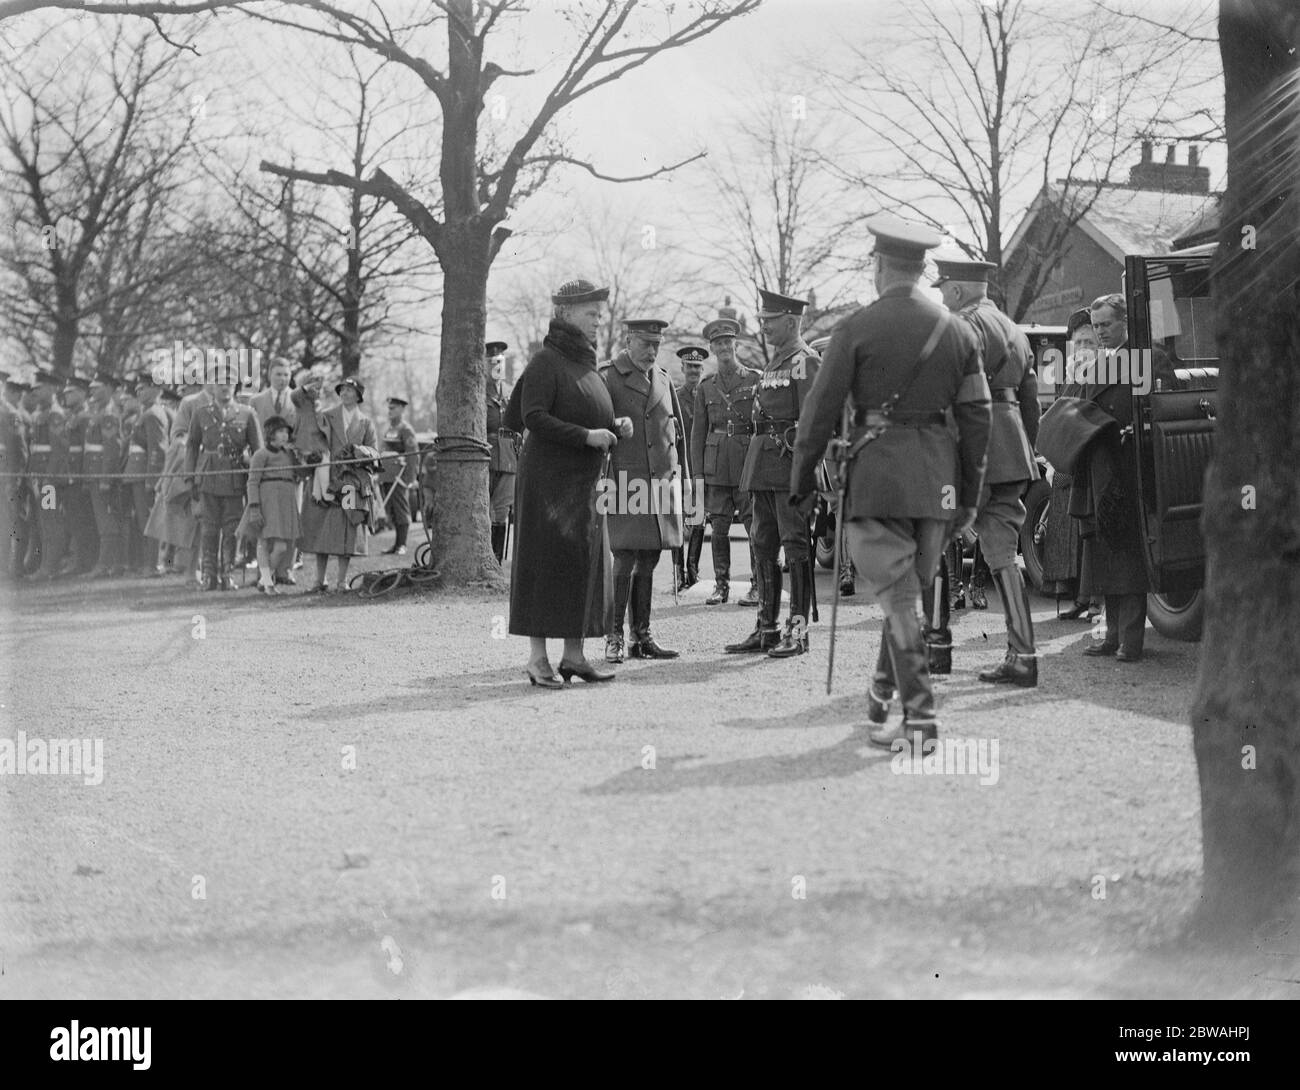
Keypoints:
pixel 274 424
pixel 692 354
pixel 1081 317
pixel 579 291
pixel 649 327
pixel 973 272
pixel 494 348
pixel 721 327
pixel 356 384
pixel 398 401
pixel 773 305
pixel 900 238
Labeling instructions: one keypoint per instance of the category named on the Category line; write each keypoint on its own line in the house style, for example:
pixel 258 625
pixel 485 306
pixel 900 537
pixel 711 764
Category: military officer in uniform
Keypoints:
pixel 643 493
pixel 103 452
pixel 48 463
pixel 223 436
pixel 722 426
pixel 688 556
pixel 13 460
pixel 1009 369
pixel 783 388
pixel 398 472
pixel 505 445
pixel 83 537
pixel 904 361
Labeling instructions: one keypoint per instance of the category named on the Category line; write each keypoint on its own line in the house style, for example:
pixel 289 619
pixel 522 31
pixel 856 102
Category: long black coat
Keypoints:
pixel 561 584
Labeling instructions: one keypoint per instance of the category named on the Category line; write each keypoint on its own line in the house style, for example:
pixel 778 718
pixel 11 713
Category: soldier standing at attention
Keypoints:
pixel 722 427
pixel 783 388
pixel 398 473
pixel 223 436
pixel 104 448
pixel 48 461
pixel 693 534
pixel 1009 368
pixel 13 459
pixel 504 463
pixel 81 516
pixel 646 473
pixel 904 361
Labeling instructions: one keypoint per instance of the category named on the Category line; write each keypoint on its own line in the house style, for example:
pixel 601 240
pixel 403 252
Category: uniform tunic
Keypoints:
pixel 721 430
pixel 651 465
pixel 561 582
pixel 504 455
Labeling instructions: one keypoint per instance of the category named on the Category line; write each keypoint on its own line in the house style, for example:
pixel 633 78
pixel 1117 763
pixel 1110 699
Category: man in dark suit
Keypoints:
pixel 1013 385
pixel 692 371
pixel 905 362
pixel 644 491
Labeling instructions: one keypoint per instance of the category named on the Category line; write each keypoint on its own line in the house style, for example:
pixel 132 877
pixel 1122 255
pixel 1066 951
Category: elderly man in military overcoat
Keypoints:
pixel 643 489
pixel 905 362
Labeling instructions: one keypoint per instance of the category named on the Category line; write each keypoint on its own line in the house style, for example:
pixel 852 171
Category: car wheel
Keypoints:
pixel 1178 615
pixel 1033 534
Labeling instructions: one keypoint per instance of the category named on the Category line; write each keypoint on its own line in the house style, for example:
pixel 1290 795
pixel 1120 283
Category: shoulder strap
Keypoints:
pixel 927 350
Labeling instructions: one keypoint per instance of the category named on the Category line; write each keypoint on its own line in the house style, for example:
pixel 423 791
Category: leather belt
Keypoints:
pixel 1006 394
pixel 874 418
pixel 776 427
pixel 733 427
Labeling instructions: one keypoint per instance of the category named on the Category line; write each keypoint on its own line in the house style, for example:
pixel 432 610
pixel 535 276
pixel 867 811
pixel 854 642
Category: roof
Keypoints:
pixel 1126 221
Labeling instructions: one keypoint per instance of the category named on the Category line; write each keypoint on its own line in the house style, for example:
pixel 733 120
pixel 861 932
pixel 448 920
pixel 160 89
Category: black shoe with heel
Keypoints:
pixel 545 681
pixel 585 671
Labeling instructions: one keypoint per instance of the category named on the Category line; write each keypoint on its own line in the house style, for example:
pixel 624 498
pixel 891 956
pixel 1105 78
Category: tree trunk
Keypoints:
pixel 67 328
pixel 1246 717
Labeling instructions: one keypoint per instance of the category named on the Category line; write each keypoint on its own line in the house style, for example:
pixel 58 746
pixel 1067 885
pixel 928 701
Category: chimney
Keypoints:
pixel 1146 151
pixel 1193 155
pixel 1170 176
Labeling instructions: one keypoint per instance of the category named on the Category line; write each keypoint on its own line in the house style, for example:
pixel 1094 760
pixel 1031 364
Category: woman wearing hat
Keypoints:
pixel 326 528
pixel 561 584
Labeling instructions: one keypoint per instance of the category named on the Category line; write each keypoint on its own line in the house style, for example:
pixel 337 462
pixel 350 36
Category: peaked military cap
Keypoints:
pixel 900 238
pixel 650 327
pixel 579 291
pixel 492 348
pixel 773 305
pixel 49 378
pixel 106 378
pixel 80 382
pixel 398 401
pixel 18 383
pixel 692 354
pixel 170 393
pixel 971 271
pixel 721 327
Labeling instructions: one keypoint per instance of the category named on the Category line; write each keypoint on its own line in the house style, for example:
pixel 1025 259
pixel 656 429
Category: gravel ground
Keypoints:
pixel 335 797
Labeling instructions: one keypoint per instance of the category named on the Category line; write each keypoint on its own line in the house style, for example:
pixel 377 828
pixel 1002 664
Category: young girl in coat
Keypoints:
pixel 272 502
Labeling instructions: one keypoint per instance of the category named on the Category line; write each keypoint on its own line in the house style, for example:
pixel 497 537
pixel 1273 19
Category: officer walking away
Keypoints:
pixel 1009 369
pixel 688 563
pixel 904 361
pixel 783 388
pixel 646 473
pixel 721 430
pixel 397 472
pixel 505 445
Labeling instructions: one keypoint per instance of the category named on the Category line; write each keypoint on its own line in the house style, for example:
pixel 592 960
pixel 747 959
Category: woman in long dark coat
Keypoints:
pixel 561 586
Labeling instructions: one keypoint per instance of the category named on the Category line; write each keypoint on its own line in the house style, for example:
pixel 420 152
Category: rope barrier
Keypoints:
pixel 301 467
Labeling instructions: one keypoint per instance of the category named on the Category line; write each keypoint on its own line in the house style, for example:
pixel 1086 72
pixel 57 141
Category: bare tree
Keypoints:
pixel 969 104
pixel 1247 705
pixel 87 171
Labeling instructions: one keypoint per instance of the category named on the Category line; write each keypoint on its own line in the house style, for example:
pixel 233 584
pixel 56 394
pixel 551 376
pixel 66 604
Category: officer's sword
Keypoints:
pixel 840 447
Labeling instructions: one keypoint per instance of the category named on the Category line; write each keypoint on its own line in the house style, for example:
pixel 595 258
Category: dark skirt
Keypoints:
pixel 326 529
pixel 1062 548
pixel 561 585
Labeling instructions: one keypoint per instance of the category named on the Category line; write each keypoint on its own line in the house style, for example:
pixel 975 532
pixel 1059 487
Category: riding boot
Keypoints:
pixel 1021 664
pixel 226 578
pixel 750 597
pixel 908 654
pixel 882 682
pixel 498 540
pixel 208 558
pixel 639 606
pixel 693 550
pixel 956 576
pixel 794 639
pixel 848 586
pixel 935 601
pixel 721 547
pixel 767 576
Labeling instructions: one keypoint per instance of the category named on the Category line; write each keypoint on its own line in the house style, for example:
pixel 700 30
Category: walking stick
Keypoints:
pixel 840 448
